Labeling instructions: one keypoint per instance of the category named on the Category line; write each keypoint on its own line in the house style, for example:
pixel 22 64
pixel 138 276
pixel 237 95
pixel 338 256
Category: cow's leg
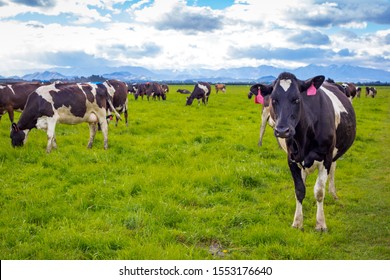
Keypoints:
pixel 92 133
pixel 104 127
pixel 126 116
pixel 116 120
pixel 332 186
pixel 264 120
pixel 54 142
pixel 300 192
pixel 51 126
pixel 10 114
pixel 319 194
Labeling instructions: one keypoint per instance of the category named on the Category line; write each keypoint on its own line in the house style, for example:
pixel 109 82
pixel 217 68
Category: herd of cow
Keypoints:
pixel 313 120
pixel 43 105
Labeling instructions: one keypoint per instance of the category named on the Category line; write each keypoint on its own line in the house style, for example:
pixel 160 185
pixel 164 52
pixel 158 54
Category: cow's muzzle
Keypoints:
pixel 282 132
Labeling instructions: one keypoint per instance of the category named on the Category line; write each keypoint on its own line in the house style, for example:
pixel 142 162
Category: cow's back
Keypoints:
pixel 346 123
pixel 121 91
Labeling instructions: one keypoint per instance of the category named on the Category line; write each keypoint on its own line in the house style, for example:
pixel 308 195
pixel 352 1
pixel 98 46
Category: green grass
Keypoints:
pixel 190 183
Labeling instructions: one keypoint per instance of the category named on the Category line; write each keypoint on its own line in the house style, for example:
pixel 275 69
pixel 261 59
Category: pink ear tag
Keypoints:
pixel 259 98
pixel 311 90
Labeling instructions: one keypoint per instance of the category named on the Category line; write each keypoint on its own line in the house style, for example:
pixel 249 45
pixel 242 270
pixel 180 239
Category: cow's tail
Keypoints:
pixel 112 108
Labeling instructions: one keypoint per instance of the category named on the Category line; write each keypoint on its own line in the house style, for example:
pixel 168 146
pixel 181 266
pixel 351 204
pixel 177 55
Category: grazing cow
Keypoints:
pixel 202 91
pixel 14 97
pixel 154 90
pixel 132 88
pixel 165 88
pixel 370 91
pixel 319 125
pixel 119 98
pixel 350 90
pixel 220 87
pixel 69 104
pixel 358 91
pixel 140 90
pixel 184 91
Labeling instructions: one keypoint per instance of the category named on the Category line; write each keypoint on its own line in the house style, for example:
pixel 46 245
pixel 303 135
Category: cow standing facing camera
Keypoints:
pixel 318 123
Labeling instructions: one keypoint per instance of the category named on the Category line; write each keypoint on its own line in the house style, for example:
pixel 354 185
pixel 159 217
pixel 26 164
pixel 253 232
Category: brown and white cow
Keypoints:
pixel 318 124
pixel 220 87
pixel 13 97
pixel 165 88
pixel 350 90
pixel 139 90
pixel 155 90
pixel 68 104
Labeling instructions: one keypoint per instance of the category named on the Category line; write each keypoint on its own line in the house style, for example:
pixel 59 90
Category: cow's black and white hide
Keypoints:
pixel 68 104
pixel 318 123
pixel 201 91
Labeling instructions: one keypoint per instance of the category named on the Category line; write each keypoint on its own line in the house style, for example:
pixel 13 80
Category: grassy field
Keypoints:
pixel 190 183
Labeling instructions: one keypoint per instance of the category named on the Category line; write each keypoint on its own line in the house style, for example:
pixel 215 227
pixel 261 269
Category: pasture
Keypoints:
pixel 190 183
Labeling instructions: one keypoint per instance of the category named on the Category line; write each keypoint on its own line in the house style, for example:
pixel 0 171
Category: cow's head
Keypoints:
pixel 189 101
pixel 250 93
pixel 286 95
pixel 17 136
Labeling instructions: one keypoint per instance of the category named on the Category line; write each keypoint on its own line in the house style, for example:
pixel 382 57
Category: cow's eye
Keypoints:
pixel 296 101
pixel 274 101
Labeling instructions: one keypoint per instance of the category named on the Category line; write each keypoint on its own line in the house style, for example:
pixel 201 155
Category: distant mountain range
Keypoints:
pixel 344 73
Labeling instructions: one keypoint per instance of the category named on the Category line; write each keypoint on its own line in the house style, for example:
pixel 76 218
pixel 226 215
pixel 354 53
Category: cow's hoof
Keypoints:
pixel 298 227
pixel 321 229
pixel 260 144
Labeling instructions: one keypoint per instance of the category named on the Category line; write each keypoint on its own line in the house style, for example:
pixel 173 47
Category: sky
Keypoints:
pixel 38 35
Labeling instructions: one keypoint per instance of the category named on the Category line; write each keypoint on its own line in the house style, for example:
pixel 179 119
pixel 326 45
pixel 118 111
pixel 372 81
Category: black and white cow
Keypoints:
pixel 318 124
pixel 265 111
pixel 13 97
pixel 358 91
pixel 202 91
pixel 350 90
pixel 183 91
pixel 119 98
pixel 371 91
pixel 133 89
pixel 68 104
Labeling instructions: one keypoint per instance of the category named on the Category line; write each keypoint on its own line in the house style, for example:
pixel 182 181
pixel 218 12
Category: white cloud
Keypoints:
pixel 171 34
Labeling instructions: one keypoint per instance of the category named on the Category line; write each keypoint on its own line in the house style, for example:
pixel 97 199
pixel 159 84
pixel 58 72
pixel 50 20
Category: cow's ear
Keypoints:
pixel 264 90
pixel 311 85
pixel 14 127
